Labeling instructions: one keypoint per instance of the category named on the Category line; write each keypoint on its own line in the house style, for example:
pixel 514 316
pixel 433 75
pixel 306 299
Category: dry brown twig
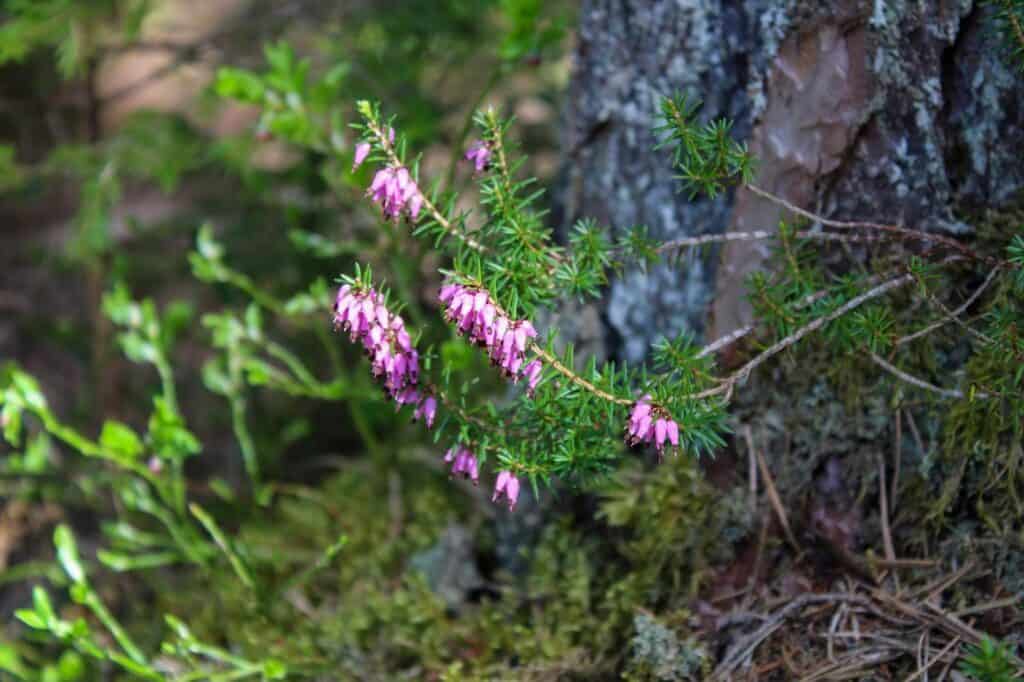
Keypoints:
pixel 920 383
pixel 902 232
pixel 773 493
pixel 953 315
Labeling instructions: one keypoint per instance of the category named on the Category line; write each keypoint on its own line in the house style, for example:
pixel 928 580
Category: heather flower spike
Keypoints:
pixel 394 361
pixel 480 154
pixel 481 320
pixel 651 425
pixel 507 485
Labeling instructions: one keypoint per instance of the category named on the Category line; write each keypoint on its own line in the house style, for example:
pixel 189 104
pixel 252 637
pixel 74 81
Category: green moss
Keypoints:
pixel 370 613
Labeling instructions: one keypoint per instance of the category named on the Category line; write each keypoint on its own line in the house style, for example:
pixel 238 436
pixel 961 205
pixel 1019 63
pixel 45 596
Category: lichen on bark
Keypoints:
pixel 929 123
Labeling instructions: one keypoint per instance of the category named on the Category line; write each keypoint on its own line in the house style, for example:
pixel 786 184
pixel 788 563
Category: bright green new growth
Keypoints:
pixel 989 661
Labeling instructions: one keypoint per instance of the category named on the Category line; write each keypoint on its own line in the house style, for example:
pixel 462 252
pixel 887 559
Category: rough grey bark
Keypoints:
pixel 876 109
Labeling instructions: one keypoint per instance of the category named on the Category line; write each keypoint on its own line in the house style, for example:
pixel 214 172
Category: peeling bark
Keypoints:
pixel 895 110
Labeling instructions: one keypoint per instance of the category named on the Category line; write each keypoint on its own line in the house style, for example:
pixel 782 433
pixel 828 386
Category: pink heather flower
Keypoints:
pixel 532 373
pixel 649 424
pixel 673 433
pixel 464 463
pixel 362 151
pixel 479 319
pixel 426 411
pixel 507 485
pixel 394 360
pixel 480 154
pixel 396 192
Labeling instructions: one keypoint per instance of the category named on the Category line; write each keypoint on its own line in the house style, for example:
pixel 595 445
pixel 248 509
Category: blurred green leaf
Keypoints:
pixel 67 553
pixel 121 440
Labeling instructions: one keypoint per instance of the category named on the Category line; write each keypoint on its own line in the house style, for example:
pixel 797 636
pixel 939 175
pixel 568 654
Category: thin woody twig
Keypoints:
pixel 954 315
pixel 990 606
pixel 904 232
pixel 576 378
pixel 920 383
pixel 738 334
pixel 739 651
pixel 883 512
pixel 752 469
pixel 773 496
pixel 897 458
pixel 700 240
pixel 938 657
pixel 727 384
pixel 729 338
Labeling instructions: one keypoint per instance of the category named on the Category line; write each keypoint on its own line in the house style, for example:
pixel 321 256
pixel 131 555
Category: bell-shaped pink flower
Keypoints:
pixel 651 425
pixel 464 463
pixel 673 433
pixel 394 189
pixel 394 360
pixel 426 411
pixel 506 485
pixel 481 321
pixel 362 151
pixel 532 372
pixel 480 154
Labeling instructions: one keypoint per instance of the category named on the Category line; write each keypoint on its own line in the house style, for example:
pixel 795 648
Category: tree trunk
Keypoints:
pixel 886 110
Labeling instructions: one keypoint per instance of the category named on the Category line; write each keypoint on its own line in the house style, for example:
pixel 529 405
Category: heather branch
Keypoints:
pixel 726 340
pixel 741 332
pixel 727 385
pixel 576 378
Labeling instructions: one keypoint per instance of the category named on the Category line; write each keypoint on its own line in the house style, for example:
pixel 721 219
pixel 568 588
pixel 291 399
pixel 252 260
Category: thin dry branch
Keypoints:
pixel 952 315
pixel 726 340
pixel 743 648
pixel 757 235
pixel 883 512
pixel 773 493
pixel 903 232
pixel 920 383
pixel 727 384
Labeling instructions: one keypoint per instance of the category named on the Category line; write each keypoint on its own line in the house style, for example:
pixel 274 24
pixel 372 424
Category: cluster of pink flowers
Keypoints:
pixel 464 463
pixel 650 424
pixel 393 186
pixel 482 322
pixel 480 154
pixel 507 485
pixel 382 333
pixel 396 192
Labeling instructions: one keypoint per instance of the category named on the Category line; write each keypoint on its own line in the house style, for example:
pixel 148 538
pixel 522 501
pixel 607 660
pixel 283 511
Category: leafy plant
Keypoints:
pixel 990 661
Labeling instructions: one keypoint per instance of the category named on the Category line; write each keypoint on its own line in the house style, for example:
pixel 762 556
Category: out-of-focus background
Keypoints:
pixel 177 199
